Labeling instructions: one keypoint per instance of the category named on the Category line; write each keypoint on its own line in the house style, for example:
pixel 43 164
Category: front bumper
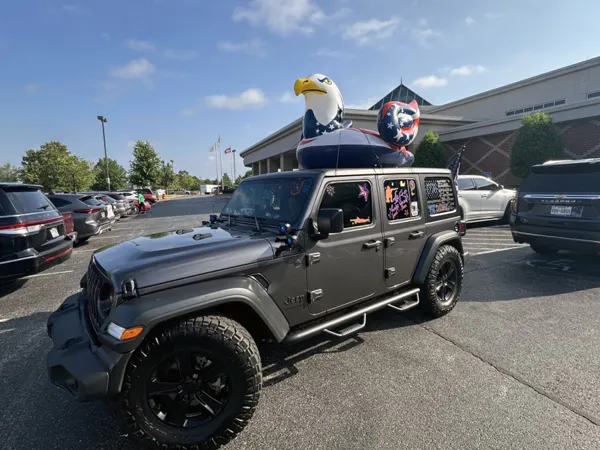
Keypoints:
pixel 77 362
pixel 560 239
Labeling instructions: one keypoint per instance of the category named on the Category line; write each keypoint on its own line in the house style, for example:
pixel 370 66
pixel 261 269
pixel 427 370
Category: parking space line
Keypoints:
pixel 48 274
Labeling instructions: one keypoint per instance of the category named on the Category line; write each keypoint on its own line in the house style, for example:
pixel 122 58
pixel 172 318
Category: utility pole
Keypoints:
pixel 103 120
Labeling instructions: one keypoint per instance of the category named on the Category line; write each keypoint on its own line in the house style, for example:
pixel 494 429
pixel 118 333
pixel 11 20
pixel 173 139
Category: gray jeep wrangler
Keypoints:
pixel 168 324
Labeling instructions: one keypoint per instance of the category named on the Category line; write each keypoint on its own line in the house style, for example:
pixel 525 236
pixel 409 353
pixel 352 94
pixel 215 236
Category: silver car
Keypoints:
pixel 482 199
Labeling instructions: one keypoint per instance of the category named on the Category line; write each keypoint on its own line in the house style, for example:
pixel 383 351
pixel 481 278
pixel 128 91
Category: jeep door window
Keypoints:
pixel 401 199
pixel 440 195
pixel 354 198
pixel 274 199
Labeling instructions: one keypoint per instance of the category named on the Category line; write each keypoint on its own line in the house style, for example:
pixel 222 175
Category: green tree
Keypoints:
pixel 537 141
pixel 238 180
pixel 196 183
pixel 54 167
pixel 145 167
pixel 9 172
pixel 167 175
pixel 185 180
pixel 227 180
pixel 116 172
pixel 248 174
pixel 430 152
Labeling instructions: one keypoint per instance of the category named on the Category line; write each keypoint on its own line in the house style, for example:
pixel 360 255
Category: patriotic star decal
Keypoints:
pixel 364 192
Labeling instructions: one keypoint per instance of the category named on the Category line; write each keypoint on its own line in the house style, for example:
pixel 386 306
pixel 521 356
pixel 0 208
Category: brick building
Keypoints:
pixel 487 122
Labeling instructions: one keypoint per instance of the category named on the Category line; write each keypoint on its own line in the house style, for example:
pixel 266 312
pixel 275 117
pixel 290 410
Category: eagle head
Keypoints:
pixel 321 95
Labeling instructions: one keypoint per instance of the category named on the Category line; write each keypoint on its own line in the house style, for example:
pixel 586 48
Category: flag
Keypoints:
pixel 454 164
pixel 212 149
pixel 227 150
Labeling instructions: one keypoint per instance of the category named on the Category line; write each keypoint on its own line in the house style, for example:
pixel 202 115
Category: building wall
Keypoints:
pixel 491 153
pixel 572 87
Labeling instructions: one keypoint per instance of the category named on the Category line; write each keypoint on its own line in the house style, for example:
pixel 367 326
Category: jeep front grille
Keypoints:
pixel 100 296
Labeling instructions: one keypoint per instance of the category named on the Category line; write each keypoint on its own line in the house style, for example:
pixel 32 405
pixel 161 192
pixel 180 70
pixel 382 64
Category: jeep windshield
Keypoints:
pixel 270 200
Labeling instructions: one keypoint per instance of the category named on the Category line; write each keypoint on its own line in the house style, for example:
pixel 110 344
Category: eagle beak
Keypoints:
pixel 306 85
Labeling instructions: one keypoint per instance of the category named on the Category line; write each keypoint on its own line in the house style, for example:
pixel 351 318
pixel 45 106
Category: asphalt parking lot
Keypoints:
pixel 514 366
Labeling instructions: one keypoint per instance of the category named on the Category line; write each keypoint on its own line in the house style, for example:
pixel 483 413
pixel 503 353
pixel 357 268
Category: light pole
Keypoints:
pixel 103 120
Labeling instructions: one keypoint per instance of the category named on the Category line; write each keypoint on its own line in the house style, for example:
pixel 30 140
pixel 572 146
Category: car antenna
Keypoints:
pixel 256 220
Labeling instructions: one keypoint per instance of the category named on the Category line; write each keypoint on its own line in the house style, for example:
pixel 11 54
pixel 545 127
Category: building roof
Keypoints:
pixel 527 81
pixel 401 93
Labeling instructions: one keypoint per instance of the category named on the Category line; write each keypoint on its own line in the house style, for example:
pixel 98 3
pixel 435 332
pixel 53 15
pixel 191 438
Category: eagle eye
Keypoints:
pixel 326 80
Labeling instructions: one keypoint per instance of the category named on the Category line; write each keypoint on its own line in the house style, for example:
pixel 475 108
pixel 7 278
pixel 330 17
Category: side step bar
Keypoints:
pixel 326 326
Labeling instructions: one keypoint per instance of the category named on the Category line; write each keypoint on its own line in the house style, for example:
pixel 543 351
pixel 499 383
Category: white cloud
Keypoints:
pixel 140 46
pixel 284 17
pixel 288 97
pixel 424 35
pixel 469 20
pixel 370 30
pixel 31 89
pixel 465 71
pixel 254 46
pixel 188 112
pixel 137 69
pixel 328 53
pixel 430 81
pixel 493 15
pixel 363 105
pixel 180 55
pixel 422 22
pixel 247 99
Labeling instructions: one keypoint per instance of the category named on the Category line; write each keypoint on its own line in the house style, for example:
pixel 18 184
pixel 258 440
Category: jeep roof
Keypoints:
pixel 353 172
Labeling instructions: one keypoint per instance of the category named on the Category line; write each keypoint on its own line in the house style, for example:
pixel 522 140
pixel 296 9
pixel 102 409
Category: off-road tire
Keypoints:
pixel 221 336
pixel 543 250
pixel 430 302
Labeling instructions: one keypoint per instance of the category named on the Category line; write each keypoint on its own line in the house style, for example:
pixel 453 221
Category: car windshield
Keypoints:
pixel 272 199
pixel 555 179
pixel 27 200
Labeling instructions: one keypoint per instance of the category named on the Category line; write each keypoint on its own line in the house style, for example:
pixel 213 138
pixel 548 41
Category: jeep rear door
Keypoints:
pixel 403 226
pixel 346 267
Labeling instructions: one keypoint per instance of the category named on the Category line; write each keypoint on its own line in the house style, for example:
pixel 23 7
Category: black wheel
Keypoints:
pixel 443 284
pixel 543 250
pixel 195 385
pixel 135 210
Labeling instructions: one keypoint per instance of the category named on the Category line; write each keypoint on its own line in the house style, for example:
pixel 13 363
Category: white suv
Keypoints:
pixel 482 199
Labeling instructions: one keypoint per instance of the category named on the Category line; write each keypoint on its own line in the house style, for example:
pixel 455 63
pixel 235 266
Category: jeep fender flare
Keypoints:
pixel 155 308
pixel 433 243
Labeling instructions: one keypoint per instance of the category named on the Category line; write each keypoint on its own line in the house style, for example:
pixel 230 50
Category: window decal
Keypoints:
pixel 364 191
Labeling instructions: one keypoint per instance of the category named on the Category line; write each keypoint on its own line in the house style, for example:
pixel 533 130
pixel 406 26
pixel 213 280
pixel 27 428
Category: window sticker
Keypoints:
pixel 401 199
pixel 364 191
pixel 440 195
pixel 330 190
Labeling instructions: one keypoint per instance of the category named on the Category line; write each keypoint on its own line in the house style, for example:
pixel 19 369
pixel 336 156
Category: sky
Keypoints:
pixel 181 73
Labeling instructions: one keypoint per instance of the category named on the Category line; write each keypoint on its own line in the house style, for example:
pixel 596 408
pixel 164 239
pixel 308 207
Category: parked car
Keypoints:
pixel 32 232
pixel 111 209
pixel 149 195
pixel 124 204
pixel 90 218
pixel 482 199
pixel 69 225
pixel 174 317
pixel 558 207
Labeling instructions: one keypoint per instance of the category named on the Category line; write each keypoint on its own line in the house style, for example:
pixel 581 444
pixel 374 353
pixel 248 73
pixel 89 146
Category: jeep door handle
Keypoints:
pixel 372 244
pixel 416 235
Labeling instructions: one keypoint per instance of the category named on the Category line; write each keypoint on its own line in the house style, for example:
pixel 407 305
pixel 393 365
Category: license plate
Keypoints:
pixel 561 210
pixel 53 233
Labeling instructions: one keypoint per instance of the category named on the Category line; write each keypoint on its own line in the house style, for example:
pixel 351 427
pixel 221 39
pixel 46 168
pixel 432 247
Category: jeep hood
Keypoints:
pixel 178 254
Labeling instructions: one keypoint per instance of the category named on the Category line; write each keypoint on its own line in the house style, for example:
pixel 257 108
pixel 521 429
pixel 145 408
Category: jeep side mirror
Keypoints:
pixel 330 220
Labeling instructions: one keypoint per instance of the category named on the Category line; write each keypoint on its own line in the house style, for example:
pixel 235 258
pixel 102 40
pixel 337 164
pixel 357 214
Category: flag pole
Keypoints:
pixel 212 149
pixel 234 177
pixel 221 161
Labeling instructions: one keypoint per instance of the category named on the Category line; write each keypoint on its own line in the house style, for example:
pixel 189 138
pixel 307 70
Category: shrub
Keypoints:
pixel 430 152
pixel 537 141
